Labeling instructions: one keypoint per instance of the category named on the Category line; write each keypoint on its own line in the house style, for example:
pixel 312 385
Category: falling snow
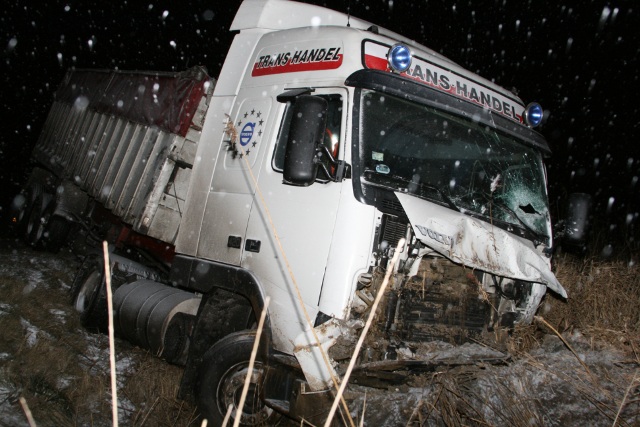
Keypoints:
pixel 580 63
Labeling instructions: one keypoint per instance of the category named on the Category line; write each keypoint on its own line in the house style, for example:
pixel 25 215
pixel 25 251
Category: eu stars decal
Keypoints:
pixel 247 132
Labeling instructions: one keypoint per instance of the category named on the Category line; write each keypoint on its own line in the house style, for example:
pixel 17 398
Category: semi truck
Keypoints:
pixel 325 147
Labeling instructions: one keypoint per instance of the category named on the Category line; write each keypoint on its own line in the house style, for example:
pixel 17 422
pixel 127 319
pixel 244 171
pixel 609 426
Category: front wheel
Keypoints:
pixel 221 380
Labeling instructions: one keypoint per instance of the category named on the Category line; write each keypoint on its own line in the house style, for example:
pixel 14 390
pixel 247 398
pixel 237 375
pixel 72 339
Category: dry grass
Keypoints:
pixel 530 392
pixel 153 388
pixel 603 305
pixel 604 300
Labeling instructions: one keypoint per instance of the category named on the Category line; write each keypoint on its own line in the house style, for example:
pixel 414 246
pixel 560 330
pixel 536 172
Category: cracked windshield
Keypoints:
pixel 459 163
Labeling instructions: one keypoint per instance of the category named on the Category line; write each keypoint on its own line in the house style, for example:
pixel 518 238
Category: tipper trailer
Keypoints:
pixel 324 142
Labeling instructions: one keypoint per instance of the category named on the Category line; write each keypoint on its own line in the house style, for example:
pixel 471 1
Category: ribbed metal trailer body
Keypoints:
pixel 128 140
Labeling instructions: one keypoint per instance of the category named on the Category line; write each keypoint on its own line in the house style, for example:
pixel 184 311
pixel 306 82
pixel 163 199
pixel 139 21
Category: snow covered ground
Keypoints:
pixel 62 370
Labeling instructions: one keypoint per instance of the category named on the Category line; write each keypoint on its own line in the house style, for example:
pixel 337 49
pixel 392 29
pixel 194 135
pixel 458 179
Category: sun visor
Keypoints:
pixel 477 244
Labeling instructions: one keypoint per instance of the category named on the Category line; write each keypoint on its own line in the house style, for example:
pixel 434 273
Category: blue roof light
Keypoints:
pixel 399 58
pixel 533 114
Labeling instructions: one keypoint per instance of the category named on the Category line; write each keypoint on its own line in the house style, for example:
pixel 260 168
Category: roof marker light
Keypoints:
pixel 533 114
pixel 399 58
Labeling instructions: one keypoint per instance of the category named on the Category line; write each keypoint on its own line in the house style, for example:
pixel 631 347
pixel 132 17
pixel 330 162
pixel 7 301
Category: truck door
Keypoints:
pixel 304 220
pixel 231 194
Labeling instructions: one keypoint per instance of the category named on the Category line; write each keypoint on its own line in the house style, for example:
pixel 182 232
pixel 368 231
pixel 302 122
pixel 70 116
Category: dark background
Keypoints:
pixel 580 62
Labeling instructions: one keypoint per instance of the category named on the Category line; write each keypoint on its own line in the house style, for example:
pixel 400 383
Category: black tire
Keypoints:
pixel 34 228
pixel 21 207
pixel 50 231
pixel 56 230
pixel 221 313
pixel 221 380
pixel 89 295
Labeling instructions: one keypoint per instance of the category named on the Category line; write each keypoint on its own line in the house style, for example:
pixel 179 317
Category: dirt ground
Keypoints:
pixel 62 371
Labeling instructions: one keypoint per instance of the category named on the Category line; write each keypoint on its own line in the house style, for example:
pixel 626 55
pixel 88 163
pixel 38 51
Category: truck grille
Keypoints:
pixel 442 302
pixel 394 230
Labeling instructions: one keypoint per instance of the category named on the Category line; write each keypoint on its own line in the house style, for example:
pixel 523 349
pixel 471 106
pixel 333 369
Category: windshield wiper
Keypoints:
pixel 392 182
pixel 441 193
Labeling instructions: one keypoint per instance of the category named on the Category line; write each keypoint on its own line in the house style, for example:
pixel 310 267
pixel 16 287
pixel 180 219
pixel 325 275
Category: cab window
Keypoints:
pixel 331 134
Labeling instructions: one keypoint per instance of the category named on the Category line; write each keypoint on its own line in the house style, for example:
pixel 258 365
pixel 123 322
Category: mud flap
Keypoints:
pixel 312 406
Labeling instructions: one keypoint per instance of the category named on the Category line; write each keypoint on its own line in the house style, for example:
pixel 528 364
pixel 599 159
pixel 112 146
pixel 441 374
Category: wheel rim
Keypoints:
pixel 254 411
pixel 88 288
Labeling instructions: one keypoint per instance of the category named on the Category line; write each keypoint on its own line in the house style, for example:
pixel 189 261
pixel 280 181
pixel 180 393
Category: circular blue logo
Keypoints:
pixel 247 133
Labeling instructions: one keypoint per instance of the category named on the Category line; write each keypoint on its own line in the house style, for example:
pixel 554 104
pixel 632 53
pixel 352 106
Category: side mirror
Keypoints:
pixel 577 221
pixel 308 121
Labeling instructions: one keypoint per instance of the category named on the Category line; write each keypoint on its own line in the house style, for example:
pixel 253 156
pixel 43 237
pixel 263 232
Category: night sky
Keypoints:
pixel 580 62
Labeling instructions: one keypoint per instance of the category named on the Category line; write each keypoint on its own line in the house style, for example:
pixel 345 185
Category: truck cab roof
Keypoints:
pixel 283 15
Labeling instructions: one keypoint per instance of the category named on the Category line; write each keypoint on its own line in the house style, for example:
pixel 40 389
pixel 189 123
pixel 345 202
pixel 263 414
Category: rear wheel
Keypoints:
pixel 56 233
pixel 21 207
pixel 89 295
pixel 221 380
pixel 49 231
